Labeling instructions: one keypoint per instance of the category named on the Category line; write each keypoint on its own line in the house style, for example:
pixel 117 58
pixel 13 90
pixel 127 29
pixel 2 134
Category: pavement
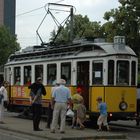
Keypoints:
pixel 123 123
pixel 24 126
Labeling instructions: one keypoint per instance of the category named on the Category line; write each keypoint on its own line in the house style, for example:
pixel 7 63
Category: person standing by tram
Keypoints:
pixel 37 90
pixel 50 109
pixel 60 97
pixel 77 100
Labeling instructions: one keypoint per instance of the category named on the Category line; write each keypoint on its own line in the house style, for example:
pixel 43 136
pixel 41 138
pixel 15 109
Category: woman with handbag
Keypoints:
pixel 77 99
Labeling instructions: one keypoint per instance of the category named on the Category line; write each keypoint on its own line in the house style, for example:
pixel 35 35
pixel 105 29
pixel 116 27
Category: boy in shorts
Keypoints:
pixel 102 119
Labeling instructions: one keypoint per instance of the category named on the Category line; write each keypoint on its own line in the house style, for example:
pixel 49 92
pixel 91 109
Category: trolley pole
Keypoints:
pixel 71 24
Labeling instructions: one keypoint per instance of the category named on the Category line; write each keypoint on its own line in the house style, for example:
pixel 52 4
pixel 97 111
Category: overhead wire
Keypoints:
pixel 30 11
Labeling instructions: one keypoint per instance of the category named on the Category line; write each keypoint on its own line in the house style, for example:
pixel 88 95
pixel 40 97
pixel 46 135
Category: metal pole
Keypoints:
pixel 71 24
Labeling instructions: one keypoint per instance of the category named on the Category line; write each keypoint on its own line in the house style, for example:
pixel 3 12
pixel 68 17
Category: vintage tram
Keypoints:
pixel 100 68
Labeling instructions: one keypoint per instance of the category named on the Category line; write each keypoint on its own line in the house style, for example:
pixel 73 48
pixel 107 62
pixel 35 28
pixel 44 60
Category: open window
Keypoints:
pixel 17 75
pixel 66 72
pixel 51 74
pixel 27 75
pixel 38 71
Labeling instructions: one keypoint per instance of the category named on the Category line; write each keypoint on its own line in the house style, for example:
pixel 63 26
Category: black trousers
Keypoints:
pixel 50 115
pixel 36 108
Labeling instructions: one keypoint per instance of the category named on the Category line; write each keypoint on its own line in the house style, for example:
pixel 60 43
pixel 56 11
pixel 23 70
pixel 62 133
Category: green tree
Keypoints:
pixel 8 44
pixel 82 27
pixel 124 20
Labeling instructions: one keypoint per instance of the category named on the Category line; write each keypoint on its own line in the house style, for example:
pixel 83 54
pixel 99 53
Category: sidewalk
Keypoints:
pixel 24 126
pixel 129 123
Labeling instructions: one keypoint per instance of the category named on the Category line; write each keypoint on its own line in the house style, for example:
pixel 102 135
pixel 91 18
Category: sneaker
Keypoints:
pixel 38 129
pixel 47 126
pixel 1 122
pixel 52 131
pixel 108 129
pixel 99 129
pixel 82 127
pixel 72 127
pixel 62 132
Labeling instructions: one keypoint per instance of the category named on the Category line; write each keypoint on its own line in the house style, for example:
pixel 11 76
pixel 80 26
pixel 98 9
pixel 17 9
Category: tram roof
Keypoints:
pixel 75 50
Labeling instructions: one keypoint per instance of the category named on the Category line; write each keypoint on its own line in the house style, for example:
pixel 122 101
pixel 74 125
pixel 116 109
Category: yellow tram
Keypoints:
pixel 99 68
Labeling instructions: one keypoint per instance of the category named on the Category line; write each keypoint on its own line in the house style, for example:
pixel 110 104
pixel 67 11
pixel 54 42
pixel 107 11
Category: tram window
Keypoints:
pixel 97 72
pixel 17 75
pixel 133 73
pixel 110 72
pixel 51 74
pixel 38 71
pixel 66 72
pixel 122 72
pixel 27 75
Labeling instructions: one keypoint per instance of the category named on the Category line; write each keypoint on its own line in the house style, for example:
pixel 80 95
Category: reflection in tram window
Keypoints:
pixel 97 71
pixel 17 75
pixel 38 71
pixel 133 73
pixel 110 72
pixel 122 72
pixel 27 75
pixel 66 72
pixel 51 74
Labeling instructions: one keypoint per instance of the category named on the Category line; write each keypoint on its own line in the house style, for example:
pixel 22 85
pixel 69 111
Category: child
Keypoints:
pixel 102 107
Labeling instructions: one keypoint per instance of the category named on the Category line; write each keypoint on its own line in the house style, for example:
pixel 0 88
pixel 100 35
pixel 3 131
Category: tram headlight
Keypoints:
pixel 123 105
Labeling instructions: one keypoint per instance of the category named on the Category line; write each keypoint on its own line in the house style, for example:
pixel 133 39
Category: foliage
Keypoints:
pixel 124 21
pixel 83 27
pixel 8 44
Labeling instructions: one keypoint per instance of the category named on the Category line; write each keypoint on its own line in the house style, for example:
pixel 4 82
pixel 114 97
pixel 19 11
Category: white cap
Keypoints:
pixel 39 78
pixel 62 81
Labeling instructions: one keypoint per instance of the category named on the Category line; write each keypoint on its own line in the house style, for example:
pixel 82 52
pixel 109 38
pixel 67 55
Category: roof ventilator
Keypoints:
pixel 119 42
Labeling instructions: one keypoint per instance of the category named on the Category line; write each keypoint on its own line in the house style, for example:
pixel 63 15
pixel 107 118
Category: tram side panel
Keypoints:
pixel 121 101
pixel 20 97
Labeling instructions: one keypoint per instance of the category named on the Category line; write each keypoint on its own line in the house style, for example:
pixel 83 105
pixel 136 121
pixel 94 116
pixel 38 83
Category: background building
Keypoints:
pixel 7 14
pixel 7 18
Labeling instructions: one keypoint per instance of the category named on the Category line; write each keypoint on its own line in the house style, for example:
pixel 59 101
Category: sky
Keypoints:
pixel 29 15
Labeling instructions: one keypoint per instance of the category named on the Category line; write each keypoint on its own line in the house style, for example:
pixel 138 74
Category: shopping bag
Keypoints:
pixel 70 113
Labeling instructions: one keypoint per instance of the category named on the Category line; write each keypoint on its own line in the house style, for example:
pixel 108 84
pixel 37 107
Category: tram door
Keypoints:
pixel 83 80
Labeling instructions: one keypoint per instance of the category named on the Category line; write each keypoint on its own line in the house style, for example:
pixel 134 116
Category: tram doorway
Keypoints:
pixel 83 80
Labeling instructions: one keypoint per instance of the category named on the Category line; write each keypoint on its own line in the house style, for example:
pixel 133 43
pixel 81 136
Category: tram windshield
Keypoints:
pixel 122 72
pixel 133 73
pixel 97 72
